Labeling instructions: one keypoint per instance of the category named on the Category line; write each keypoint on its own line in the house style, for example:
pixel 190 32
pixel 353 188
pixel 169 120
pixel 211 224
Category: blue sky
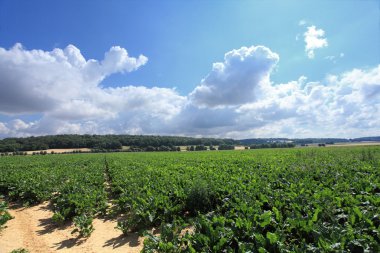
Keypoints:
pixel 182 40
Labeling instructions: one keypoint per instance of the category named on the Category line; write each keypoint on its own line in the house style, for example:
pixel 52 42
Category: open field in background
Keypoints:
pixel 348 144
pixel 303 199
pixel 59 150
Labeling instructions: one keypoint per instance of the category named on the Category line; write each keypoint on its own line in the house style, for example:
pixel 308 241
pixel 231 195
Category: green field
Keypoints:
pixel 274 200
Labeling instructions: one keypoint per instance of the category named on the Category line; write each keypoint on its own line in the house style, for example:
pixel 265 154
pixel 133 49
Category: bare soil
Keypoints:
pixel 33 229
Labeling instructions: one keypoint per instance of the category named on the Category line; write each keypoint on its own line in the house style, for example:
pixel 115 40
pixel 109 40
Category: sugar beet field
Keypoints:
pixel 275 200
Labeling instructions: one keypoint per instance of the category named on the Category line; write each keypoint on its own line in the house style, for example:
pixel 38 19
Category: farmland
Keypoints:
pixel 274 200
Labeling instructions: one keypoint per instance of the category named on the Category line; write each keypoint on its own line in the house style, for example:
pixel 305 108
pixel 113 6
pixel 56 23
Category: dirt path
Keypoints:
pixel 32 229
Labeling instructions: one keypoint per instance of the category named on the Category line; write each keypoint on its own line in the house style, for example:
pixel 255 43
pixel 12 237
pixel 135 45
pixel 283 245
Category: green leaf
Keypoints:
pixel 277 214
pixel 266 218
pixel 260 239
pixel 221 243
pixel 262 250
pixel 352 219
pixel 358 212
pixel 272 237
pixel 315 215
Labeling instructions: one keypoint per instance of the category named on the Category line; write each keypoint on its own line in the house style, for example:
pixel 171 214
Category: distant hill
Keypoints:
pixel 375 138
pixel 306 140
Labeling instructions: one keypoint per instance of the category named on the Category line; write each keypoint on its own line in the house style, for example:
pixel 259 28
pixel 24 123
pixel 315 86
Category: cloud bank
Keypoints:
pixel 61 91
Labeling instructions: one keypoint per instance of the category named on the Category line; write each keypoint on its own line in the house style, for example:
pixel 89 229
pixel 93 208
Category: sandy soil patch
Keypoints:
pixel 33 229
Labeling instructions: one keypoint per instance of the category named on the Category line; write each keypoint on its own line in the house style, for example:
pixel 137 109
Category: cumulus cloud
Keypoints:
pixel 236 99
pixel 235 80
pixel 341 105
pixel 37 81
pixel 65 88
pixel 64 85
pixel 314 39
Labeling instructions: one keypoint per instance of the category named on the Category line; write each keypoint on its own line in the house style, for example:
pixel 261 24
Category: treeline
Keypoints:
pixel 256 141
pixel 104 142
pixel 211 147
pixel 153 149
pixel 273 145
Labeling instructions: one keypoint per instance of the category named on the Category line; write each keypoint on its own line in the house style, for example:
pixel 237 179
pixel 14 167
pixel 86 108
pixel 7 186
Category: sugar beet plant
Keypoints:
pixel 4 214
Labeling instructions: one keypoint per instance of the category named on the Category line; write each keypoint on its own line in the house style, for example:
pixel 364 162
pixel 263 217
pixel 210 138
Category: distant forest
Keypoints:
pixel 111 142
pixel 153 143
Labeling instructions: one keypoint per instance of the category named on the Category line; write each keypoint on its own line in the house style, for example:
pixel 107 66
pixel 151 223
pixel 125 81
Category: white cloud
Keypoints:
pixel 236 99
pixel 236 80
pixel 158 102
pixel 343 105
pixel 41 81
pixel 314 39
pixel 118 60
pixel 18 125
pixel 3 129
pixel 65 88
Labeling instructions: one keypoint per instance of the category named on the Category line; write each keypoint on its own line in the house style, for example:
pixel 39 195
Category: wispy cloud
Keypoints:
pixel 302 22
pixel 334 58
